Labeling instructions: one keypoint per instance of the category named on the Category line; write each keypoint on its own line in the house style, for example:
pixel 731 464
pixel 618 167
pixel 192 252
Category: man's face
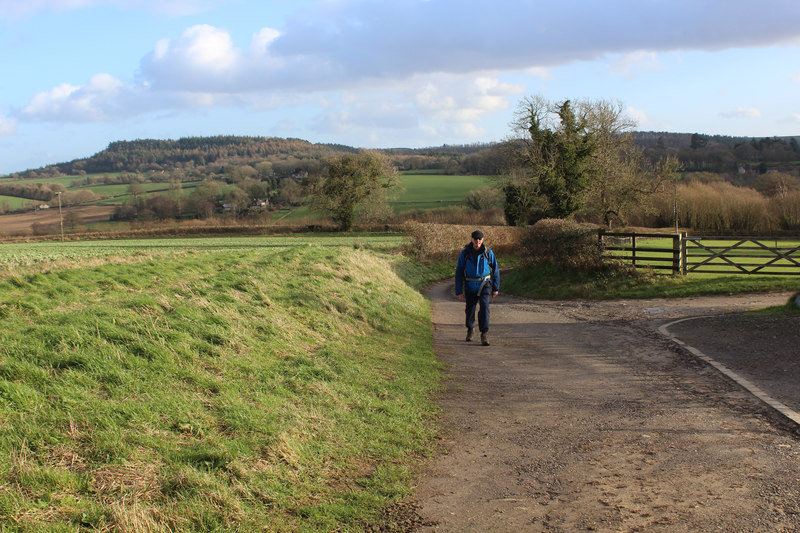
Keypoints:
pixel 476 243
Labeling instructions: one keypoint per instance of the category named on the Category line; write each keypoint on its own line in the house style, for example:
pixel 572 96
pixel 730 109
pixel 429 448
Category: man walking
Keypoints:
pixel 477 278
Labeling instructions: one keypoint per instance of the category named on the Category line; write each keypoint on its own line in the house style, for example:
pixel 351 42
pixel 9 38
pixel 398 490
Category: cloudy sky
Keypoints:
pixel 76 75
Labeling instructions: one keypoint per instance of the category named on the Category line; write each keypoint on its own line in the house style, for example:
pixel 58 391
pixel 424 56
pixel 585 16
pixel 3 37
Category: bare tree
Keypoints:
pixel 567 158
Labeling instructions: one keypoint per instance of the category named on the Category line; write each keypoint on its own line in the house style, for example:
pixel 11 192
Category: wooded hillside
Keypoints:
pixel 209 156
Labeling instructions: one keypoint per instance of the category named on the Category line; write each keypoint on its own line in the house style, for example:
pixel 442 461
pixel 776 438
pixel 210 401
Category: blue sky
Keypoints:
pixel 76 75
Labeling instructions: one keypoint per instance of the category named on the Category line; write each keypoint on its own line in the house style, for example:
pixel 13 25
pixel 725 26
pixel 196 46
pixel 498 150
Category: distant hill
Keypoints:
pixel 215 154
pixel 208 156
pixel 147 155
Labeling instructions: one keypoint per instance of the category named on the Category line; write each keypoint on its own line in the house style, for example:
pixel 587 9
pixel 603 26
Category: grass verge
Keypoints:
pixel 790 308
pixel 272 389
pixel 551 282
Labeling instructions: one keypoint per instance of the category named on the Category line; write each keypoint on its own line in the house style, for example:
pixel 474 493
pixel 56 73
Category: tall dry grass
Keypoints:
pixel 458 215
pixel 720 207
pixel 443 241
pixel 565 244
pixel 787 209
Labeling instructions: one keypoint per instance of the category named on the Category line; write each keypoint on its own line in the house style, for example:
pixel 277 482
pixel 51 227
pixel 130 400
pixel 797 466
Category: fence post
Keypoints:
pixel 676 243
pixel 684 254
pixel 633 250
pixel 600 244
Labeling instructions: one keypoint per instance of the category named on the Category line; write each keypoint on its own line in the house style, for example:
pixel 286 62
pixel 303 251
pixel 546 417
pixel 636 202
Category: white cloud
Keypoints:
pixel 335 44
pixel 638 61
pixel 541 72
pixel 431 109
pixel 203 58
pixel 46 102
pixel 401 38
pixel 98 100
pixel 408 63
pixel 796 77
pixel 261 41
pixel 8 126
pixel 205 48
pixel 462 100
pixel 742 112
pixel 639 115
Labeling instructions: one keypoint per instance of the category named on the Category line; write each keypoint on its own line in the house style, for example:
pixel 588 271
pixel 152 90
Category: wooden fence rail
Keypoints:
pixel 680 253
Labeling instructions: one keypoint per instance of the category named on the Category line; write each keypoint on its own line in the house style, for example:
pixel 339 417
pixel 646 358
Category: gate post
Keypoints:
pixel 684 254
pixel 601 248
pixel 676 253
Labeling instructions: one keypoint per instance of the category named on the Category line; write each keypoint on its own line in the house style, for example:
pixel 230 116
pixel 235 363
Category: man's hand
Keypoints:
pixel 460 297
pixel 495 293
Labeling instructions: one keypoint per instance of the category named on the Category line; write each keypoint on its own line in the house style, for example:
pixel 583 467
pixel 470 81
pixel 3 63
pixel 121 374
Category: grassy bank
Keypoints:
pixel 274 388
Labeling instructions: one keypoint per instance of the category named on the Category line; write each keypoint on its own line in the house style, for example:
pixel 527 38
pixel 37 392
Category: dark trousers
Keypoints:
pixel 473 299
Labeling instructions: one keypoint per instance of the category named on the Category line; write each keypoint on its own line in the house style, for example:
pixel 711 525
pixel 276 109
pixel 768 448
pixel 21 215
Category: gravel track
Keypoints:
pixel 582 417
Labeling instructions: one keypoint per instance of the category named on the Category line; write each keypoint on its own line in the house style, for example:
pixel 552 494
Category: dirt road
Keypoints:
pixel 581 417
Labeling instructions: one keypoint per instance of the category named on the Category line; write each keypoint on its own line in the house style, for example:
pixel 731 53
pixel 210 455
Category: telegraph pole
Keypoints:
pixel 60 218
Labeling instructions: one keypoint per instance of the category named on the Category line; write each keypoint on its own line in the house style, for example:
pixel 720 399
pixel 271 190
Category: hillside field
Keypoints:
pixel 427 190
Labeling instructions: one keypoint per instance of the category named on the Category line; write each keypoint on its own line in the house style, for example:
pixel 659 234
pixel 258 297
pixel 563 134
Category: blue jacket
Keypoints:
pixel 472 267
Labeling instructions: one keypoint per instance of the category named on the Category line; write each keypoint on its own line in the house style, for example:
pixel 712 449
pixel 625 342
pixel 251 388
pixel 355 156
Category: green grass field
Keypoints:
pixel 432 190
pixel 122 190
pixel 63 180
pixel 280 384
pixel 112 193
pixel 418 191
pixel 13 202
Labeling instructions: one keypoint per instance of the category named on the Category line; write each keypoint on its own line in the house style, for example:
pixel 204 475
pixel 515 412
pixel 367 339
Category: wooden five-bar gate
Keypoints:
pixel 680 253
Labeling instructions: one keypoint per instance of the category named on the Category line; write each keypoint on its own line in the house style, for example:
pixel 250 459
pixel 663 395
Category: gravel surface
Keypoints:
pixel 582 417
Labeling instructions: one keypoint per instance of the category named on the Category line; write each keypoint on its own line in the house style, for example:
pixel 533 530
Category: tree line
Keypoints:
pixel 43 192
pixel 195 158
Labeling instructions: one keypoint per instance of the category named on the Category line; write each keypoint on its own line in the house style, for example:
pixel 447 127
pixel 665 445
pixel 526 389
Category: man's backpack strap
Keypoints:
pixel 486 255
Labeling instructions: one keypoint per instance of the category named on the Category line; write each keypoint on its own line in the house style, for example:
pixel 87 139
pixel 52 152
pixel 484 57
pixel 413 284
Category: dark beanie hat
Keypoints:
pixel 477 234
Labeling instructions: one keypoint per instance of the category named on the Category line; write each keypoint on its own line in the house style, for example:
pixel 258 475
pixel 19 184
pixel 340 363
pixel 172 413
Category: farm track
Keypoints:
pixel 581 417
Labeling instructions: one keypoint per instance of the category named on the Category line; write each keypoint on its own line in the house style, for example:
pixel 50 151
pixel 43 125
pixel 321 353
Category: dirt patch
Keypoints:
pixel 581 417
pixel 22 223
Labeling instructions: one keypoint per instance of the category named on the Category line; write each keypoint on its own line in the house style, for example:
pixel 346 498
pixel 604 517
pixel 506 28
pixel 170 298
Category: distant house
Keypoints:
pixel 42 206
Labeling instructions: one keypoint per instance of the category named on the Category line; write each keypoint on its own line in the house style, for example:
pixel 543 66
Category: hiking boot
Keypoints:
pixel 469 334
pixel 484 339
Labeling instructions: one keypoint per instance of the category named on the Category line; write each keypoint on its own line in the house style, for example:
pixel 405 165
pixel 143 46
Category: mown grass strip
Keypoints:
pixel 278 389
pixel 25 253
